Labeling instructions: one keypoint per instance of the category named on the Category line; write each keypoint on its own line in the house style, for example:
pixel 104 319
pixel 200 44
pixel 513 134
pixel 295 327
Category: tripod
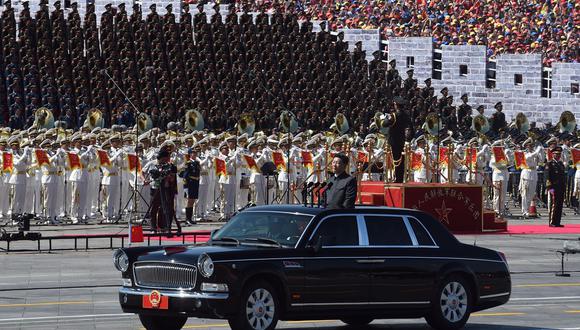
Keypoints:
pixel 168 216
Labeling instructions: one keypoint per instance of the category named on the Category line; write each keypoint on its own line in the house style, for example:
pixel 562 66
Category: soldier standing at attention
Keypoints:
pixel 190 175
pixel 556 185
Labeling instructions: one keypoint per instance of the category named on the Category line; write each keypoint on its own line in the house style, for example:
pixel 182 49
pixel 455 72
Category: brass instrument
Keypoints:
pixel 246 125
pixel 43 118
pixel 567 122
pixel 340 124
pixel 144 122
pixel 383 122
pixel 432 124
pixel 288 122
pixel 480 124
pixel 94 119
pixel 521 123
pixel 194 120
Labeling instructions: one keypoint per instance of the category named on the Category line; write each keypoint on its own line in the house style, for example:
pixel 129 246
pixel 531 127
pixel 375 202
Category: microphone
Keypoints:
pixel 311 193
pixel 322 185
pixel 328 186
pixel 305 192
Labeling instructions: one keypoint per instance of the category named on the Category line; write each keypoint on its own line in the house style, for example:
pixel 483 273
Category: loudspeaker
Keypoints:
pixel 268 168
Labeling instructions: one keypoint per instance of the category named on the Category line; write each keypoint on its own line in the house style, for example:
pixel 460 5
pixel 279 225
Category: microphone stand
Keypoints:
pixel 137 115
pixel 319 192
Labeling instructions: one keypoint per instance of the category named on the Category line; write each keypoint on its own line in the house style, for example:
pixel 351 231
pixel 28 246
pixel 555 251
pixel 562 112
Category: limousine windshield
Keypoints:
pixel 273 228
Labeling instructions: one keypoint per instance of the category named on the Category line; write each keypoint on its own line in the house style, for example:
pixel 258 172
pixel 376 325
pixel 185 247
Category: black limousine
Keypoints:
pixel 289 262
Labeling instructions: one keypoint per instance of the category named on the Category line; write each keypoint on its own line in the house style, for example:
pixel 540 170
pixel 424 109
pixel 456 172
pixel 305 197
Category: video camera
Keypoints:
pixel 161 171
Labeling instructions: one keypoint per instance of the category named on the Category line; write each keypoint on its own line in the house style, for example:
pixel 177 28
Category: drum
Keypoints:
pixel 245 182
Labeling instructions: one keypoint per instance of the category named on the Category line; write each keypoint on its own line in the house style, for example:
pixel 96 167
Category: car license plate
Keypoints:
pixel 155 301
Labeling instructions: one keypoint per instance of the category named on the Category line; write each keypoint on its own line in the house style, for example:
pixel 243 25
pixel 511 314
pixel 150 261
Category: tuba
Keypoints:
pixel 43 118
pixel 480 124
pixel 144 122
pixel 521 123
pixel 383 122
pixel 340 124
pixel 94 119
pixel 194 120
pixel 432 124
pixel 288 122
pixel 247 124
pixel 567 122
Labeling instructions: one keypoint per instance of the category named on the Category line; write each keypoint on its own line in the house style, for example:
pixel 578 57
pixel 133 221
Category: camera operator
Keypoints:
pixel 190 175
pixel 163 191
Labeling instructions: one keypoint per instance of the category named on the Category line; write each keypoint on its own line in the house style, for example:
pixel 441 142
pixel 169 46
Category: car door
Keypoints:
pixel 402 274
pixel 337 275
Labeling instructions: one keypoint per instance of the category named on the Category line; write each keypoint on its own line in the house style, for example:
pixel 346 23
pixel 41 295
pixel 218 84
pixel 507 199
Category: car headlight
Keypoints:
pixel 205 265
pixel 121 260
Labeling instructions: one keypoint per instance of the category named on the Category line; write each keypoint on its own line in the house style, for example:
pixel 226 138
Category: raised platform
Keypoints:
pixel 458 206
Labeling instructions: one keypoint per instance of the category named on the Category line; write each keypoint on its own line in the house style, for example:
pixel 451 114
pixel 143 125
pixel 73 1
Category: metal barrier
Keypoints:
pixel 85 238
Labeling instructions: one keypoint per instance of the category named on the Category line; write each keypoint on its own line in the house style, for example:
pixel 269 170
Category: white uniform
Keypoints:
pixel 18 180
pixel 476 175
pixel 178 159
pixel 212 182
pixel 529 178
pixel 500 177
pixel 49 181
pixel 206 167
pixel 420 174
pixel 242 173
pixel 228 183
pixel 79 178
pixel 4 188
pixel 111 182
pixel 257 179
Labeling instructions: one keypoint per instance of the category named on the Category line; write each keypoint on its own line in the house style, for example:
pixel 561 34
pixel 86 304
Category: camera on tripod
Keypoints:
pixel 22 221
pixel 161 172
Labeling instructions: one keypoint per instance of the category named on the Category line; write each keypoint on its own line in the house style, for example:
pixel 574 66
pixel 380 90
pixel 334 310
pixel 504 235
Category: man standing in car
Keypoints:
pixel 341 191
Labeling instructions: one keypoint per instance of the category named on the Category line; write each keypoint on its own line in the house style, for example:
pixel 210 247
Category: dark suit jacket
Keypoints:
pixel 342 194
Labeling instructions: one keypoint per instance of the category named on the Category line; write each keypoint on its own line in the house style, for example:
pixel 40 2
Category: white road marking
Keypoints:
pixel 545 298
pixel 48 318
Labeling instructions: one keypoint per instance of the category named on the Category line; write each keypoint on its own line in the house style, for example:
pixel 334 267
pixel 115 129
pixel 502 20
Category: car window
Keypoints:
pixel 284 228
pixel 338 231
pixel 421 234
pixel 387 231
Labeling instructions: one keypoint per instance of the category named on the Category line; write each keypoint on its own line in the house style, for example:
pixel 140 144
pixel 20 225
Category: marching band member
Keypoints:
pixel 205 162
pixel 18 178
pixel 297 170
pixel 242 172
pixel 50 182
pixel 5 169
pixel 475 174
pixel 227 181
pixel 257 179
pixel 283 176
pixel 111 182
pixel 529 175
pixel 79 179
pixel 500 157
pixel 420 172
pixel 212 182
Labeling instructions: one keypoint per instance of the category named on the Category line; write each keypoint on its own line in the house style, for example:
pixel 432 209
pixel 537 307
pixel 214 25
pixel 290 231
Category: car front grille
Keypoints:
pixel 165 275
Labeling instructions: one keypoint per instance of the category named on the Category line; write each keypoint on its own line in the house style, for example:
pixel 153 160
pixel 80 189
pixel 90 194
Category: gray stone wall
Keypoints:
pixel 422 56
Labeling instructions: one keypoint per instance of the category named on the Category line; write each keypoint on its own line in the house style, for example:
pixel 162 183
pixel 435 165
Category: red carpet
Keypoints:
pixel 529 229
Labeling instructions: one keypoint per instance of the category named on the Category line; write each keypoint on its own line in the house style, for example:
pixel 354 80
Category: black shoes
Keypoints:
pixel 560 226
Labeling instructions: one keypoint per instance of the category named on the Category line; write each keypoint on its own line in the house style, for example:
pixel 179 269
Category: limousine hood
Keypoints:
pixel 190 254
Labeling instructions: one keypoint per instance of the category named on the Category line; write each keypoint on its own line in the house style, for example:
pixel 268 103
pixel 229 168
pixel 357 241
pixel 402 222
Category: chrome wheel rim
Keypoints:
pixel 260 309
pixel 453 302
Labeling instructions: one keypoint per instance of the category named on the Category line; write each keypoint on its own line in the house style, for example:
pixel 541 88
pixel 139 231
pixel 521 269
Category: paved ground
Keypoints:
pixel 77 290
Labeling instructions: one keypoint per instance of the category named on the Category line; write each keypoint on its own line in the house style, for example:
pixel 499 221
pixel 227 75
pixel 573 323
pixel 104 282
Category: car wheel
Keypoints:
pixel 258 310
pixel 357 321
pixel 451 305
pixel 154 322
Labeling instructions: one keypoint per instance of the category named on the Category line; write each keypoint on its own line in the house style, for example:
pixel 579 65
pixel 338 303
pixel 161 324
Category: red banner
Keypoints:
pixel 41 157
pixel 134 162
pixel 499 154
pixel 307 160
pixel 576 156
pixel 220 167
pixel 74 161
pixel 362 157
pixel 471 157
pixel 104 159
pixel 279 161
pixel 443 156
pixel 416 161
pixel 251 163
pixel 520 158
pixel 7 162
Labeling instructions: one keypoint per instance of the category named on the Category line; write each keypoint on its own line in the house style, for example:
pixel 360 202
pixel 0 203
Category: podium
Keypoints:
pixel 457 206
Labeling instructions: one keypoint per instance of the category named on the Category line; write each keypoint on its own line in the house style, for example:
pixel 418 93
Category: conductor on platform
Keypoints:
pixel 556 186
pixel 341 193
